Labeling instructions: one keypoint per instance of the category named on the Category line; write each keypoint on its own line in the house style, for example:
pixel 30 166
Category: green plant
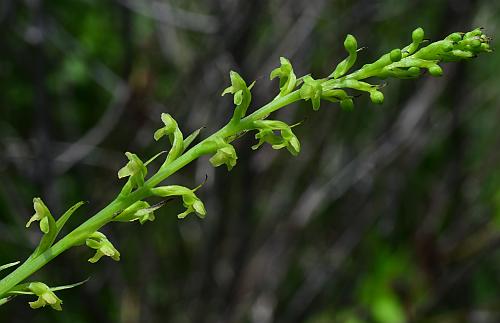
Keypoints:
pixel 131 205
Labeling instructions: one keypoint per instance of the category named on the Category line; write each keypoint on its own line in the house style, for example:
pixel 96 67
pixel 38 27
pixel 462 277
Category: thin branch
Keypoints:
pixel 174 16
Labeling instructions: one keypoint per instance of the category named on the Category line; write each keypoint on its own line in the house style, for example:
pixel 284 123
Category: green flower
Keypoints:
pixel 104 247
pixel 42 214
pixel 45 296
pixel 242 95
pixel 287 138
pixel 266 135
pixel 225 154
pixel 287 77
pixel 312 90
pixel 168 129
pixel 190 201
pixel 192 204
pixel 139 211
pixel 134 169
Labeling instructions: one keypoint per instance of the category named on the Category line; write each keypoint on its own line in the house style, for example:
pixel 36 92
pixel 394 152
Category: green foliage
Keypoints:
pixel 11 264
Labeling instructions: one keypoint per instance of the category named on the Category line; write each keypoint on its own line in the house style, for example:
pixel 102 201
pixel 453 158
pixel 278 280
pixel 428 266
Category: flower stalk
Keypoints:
pixel 131 206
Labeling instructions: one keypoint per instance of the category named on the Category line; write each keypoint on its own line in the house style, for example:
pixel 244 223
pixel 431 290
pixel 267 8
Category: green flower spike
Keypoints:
pixel 456 47
pixel 287 77
pixel 190 201
pixel 104 247
pixel 134 169
pixel 224 155
pixel 42 214
pixel 45 296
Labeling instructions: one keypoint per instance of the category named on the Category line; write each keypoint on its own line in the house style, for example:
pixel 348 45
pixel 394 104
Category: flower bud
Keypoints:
pixel 377 97
pixel 462 54
pixel 436 70
pixel 351 46
pixel 455 37
pixel 485 47
pixel 473 33
pixel 475 43
pixel 413 71
pixel 347 104
pixel 350 43
pixel 447 46
pixel 395 55
pixel 418 35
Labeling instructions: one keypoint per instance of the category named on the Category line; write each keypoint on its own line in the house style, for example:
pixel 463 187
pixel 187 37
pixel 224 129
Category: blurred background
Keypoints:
pixel 390 213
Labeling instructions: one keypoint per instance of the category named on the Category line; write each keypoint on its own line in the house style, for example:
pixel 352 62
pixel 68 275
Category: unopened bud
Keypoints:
pixel 395 55
pixel 418 35
pixel 377 97
pixel 435 70
pixel 350 43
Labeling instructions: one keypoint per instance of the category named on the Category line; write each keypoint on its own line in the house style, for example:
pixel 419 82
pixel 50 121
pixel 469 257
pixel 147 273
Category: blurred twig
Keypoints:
pixel 165 13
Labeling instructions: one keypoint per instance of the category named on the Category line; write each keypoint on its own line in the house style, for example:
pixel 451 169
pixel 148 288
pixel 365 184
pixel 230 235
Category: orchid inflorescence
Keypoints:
pixel 131 206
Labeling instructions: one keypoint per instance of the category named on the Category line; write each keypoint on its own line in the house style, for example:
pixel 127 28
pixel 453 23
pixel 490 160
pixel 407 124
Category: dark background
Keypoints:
pixel 390 213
